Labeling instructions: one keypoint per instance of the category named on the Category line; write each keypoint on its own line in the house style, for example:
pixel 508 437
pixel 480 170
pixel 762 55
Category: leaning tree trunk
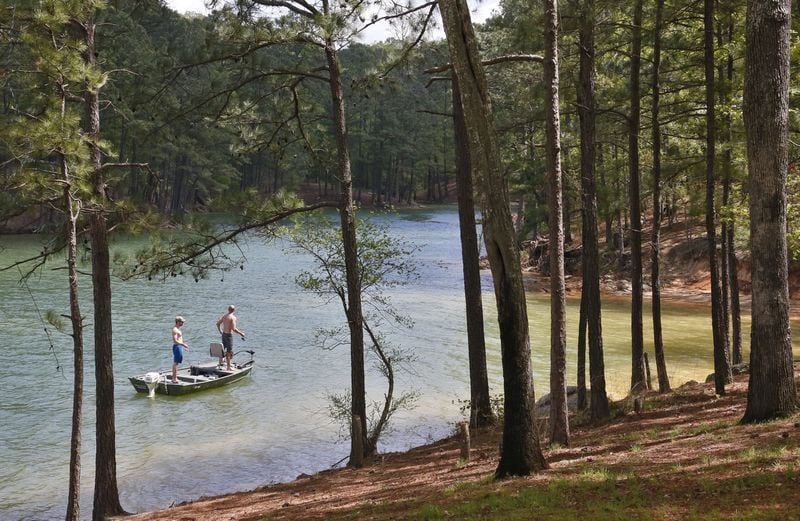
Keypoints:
pixel 658 340
pixel 521 453
pixel 106 492
pixel 559 421
pixel 722 371
pixel 587 112
pixel 387 368
pixel 358 406
pixel 772 390
pixel 480 402
pixel 638 382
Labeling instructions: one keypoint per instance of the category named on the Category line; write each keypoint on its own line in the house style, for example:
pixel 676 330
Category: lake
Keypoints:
pixel 276 424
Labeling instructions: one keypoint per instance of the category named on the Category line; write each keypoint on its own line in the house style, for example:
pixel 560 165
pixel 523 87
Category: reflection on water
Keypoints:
pixel 274 425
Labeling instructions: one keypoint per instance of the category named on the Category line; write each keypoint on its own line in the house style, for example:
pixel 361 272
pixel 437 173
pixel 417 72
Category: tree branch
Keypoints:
pixel 493 61
pixel 299 7
pixel 227 236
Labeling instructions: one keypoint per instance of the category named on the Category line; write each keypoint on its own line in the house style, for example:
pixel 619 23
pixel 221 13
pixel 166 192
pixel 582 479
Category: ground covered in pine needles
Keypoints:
pixel 685 456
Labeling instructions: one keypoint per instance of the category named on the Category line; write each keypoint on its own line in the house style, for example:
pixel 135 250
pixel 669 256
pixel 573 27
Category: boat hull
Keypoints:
pixel 193 379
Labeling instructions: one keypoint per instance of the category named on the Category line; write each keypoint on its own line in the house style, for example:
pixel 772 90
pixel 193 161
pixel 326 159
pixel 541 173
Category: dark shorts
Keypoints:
pixel 177 353
pixel 227 342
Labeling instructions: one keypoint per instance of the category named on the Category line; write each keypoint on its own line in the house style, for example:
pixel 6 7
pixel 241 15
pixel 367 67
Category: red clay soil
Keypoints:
pixel 685 431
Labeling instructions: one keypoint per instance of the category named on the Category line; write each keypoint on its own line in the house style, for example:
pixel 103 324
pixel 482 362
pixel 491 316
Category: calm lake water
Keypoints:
pixel 275 425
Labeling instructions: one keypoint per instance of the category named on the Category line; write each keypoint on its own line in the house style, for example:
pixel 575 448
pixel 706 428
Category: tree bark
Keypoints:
pixel 521 453
pixel 582 404
pixel 722 371
pixel 736 310
pixel 106 492
pixel 772 390
pixel 724 86
pixel 73 494
pixel 658 340
pixel 388 369
pixel 73 501
pixel 729 251
pixel 355 320
pixel 637 335
pixel 480 401
pixel 587 112
pixel 559 421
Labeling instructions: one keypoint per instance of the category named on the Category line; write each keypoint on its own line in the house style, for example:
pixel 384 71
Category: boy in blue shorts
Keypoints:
pixel 178 346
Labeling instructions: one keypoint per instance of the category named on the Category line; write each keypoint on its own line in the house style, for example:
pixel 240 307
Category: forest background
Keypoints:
pixel 210 128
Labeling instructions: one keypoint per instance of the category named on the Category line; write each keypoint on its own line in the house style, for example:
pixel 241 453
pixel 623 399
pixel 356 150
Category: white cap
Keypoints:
pixel 180 319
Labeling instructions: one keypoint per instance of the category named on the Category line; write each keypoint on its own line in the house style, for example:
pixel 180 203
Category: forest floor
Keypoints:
pixel 685 456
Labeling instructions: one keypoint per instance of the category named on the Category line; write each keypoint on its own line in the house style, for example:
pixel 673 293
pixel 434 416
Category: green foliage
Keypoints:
pixel 42 144
pixel 496 402
pixel 384 263
pixel 236 102
pixel 339 410
pixel 55 320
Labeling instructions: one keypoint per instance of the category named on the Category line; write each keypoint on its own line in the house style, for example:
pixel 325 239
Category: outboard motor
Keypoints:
pixel 151 380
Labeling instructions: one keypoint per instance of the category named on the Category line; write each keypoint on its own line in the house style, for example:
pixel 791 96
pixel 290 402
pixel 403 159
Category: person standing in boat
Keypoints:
pixel 178 345
pixel 226 325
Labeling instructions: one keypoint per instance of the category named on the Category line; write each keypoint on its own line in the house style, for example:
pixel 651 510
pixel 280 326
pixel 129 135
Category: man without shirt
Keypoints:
pixel 226 325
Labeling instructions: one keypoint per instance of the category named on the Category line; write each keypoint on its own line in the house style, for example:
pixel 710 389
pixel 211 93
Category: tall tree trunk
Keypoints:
pixel 73 504
pixel 72 212
pixel 658 340
pixel 587 112
pixel 566 210
pixel 134 176
pixel 559 422
pixel 727 159
pixel 355 319
pixel 637 336
pixel 722 371
pixel 772 390
pixel 521 453
pixel 106 492
pixel 730 242
pixel 181 165
pixel 480 401
pixel 736 310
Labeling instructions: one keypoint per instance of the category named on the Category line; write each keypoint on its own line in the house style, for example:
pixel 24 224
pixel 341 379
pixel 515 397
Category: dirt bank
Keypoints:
pixel 677 444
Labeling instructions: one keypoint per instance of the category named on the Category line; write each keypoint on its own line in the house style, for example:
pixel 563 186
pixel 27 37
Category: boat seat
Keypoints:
pixel 216 350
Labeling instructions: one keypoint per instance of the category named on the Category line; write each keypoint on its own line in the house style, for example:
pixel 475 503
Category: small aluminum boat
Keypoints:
pixel 193 378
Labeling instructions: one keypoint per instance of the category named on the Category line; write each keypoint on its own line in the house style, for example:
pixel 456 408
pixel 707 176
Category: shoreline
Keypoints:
pixel 674 444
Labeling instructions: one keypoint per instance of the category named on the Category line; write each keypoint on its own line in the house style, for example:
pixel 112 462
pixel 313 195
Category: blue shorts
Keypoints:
pixel 227 342
pixel 177 353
